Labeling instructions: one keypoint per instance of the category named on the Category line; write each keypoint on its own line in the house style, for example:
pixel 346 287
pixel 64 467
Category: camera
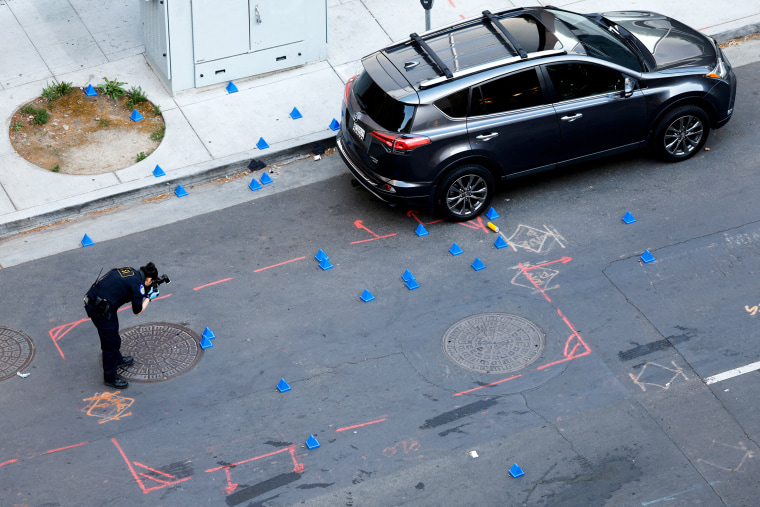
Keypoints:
pixel 162 279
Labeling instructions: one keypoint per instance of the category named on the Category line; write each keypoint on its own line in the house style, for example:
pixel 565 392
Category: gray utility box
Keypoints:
pixel 194 43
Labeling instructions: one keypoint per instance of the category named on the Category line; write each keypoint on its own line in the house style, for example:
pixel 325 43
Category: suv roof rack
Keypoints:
pixel 428 51
pixel 495 23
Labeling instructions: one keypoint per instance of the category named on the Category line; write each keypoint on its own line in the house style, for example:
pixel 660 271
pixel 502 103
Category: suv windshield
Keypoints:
pixel 386 111
pixel 598 42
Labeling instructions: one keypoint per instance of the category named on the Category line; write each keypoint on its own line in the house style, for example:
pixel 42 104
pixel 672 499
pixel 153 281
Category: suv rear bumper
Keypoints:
pixel 373 183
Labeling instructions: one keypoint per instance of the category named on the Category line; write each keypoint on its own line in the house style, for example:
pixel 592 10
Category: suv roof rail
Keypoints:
pixel 495 23
pixel 428 51
pixel 490 65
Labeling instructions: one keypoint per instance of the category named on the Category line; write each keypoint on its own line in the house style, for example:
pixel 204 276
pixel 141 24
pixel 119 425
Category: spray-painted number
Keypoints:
pixel 752 310
pixel 406 445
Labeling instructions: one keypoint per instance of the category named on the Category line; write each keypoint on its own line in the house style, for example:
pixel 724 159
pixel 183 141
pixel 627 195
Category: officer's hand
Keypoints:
pixel 153 292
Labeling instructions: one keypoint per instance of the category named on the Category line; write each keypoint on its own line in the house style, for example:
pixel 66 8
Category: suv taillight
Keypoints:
pixel 348 87
pixel 400 143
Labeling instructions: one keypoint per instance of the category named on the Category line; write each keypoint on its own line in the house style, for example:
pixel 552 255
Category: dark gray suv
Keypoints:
pixel 437 119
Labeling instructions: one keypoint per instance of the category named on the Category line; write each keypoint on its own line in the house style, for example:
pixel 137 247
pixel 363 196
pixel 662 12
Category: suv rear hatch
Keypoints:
pixel 380 106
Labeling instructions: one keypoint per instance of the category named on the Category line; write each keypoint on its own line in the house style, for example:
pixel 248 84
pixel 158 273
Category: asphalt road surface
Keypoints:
pixel 597 374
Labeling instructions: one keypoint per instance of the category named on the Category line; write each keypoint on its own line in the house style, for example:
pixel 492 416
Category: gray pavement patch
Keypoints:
pixel 643 350
pixel 263 487
pixel 459 413
pixel 16 352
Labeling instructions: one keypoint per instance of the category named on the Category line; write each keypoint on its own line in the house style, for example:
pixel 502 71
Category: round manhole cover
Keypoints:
pixel 161 351
pixel 16 352
pixel 493 343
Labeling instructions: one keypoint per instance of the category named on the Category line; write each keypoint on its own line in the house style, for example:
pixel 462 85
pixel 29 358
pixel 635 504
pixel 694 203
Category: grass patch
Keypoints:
pixel 18 126
pixel 41 116
pixel 141 156
pixel 158 134
pixel 56 168
pixel 103 122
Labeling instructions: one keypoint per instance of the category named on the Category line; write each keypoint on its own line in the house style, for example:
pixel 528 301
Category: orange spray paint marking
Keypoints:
pixel 64 448
pixel 572 346
pixel 212 283
pixel 59 332
pixel 360 425
pixel 413 213
pixel 360 225
pixel 487 385
pixel 280 264
pixel 8 462
pixel 231 486
pixel 162 483
pixel 406 445
pixel 108 406
pixel 476 223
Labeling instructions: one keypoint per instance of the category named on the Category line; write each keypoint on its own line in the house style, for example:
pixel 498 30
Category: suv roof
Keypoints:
pixel 470 46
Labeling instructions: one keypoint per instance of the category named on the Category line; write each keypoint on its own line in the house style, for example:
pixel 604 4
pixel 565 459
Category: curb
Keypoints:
pixel 117 197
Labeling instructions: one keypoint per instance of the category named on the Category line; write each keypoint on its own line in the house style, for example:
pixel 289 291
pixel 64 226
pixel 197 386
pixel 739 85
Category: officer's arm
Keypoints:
pixel 144 306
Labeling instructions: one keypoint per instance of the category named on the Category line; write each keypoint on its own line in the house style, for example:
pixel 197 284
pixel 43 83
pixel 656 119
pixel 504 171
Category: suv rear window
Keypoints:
pixel 386 111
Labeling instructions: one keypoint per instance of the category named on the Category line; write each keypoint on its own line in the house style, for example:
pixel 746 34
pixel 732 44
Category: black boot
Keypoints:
pixel 119 383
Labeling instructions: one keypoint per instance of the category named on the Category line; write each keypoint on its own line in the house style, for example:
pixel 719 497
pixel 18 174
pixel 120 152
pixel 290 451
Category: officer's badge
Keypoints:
pixel 142 289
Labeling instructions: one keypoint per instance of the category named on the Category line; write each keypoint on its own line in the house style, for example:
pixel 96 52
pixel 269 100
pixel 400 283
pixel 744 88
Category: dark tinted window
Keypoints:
pixel 388 112
pixel 576 80
pixel 516 91
pixel 455 105
pixel 598 42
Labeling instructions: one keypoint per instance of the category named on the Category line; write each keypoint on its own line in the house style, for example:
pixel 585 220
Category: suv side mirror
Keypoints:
pixel 629 86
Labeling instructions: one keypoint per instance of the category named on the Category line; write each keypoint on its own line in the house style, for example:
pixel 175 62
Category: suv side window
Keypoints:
pixel 508 93
pixel 454 105
pixel 577 80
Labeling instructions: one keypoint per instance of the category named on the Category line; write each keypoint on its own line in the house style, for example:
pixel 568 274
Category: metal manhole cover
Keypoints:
pixel 493 343
pixel 16 352
pixel 161 351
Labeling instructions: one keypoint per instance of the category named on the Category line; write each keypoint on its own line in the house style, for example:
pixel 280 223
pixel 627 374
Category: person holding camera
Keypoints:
pixel 107 294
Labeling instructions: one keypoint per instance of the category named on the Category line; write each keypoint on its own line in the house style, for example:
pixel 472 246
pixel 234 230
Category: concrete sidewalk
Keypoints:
pixel 211 133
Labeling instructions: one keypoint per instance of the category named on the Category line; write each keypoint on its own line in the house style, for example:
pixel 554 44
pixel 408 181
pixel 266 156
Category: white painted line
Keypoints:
pixel 732 373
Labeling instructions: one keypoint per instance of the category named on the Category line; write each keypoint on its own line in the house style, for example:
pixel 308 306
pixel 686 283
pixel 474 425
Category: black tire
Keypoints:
pixel 681 133
pixel 465 193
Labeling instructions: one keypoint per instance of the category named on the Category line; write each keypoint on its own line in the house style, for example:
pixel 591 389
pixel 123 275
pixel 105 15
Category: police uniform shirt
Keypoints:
pixel 120 286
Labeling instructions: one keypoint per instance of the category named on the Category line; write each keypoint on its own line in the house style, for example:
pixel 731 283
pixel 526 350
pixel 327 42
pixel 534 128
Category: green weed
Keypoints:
pixel 141 156
pixel 56 168
pixel 112 88
pixel 50 93
pixel 18 126
pixel 103 122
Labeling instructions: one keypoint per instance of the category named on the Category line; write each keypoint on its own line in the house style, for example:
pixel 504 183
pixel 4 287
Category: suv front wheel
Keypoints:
pixel 681 133
pixel 465 193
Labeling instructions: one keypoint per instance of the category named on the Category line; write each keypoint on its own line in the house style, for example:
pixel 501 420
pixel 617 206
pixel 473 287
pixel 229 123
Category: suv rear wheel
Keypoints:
pixel 465 193
pixel 681 133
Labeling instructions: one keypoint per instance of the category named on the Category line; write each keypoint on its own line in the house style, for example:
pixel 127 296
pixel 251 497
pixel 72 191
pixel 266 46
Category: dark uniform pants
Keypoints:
pixel 110 343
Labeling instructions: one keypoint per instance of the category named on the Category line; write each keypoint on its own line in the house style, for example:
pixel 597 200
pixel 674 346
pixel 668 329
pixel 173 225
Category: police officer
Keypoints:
pixel 117 287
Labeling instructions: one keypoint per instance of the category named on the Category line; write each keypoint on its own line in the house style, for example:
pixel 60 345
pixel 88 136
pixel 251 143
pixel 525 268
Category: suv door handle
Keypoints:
pixel 486 137
pixel 572 118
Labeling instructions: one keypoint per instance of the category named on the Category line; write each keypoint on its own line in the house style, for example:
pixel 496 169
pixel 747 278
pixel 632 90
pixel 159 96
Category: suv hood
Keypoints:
pixel 672 43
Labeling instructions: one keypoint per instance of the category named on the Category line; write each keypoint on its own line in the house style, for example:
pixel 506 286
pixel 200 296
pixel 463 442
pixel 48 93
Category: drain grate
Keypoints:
pixel 493 343
pixel 161 351
pixel 16 352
